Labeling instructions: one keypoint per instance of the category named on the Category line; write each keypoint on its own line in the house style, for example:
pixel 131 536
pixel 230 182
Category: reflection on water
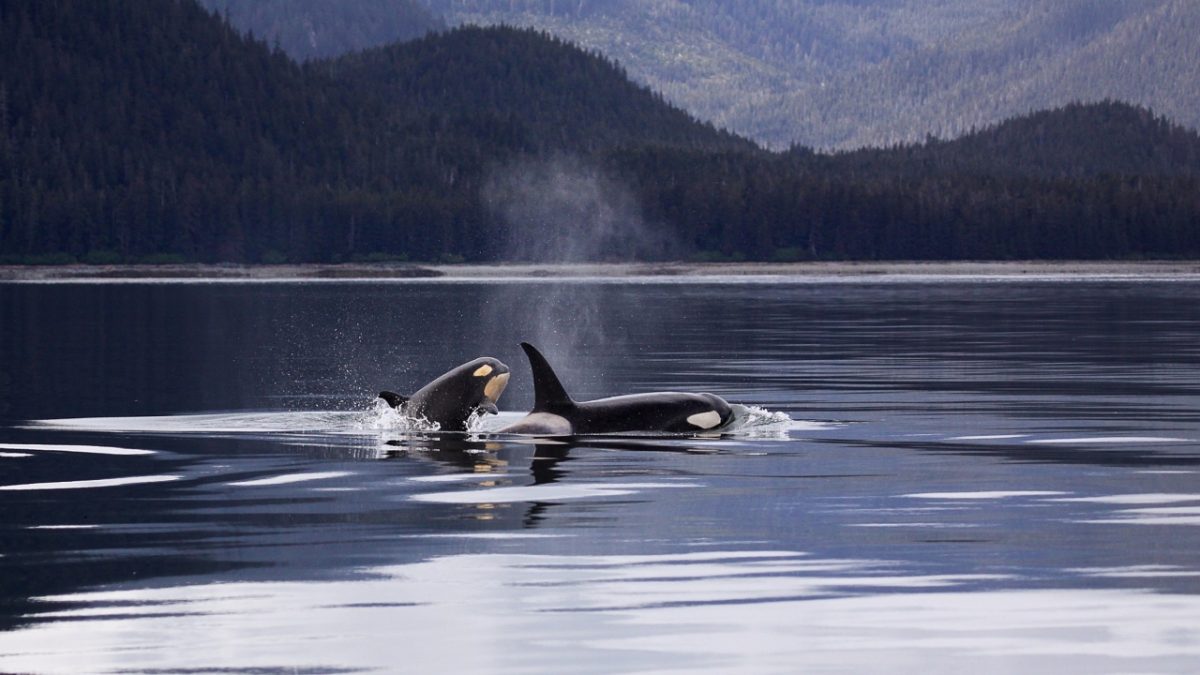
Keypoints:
pixel 719 611
pixel 714 611
pixel 923 477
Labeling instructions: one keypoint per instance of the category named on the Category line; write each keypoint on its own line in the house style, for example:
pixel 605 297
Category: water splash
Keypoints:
pixel 754 418
pixel 383 417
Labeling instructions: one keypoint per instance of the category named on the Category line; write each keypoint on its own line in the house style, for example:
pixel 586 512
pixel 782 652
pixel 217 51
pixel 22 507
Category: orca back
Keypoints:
pixel 548 392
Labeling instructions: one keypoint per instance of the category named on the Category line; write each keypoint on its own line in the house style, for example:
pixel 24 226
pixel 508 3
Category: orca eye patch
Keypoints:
pixel 482 371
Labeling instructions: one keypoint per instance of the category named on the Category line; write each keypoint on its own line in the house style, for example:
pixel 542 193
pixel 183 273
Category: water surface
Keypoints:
pixel 933 475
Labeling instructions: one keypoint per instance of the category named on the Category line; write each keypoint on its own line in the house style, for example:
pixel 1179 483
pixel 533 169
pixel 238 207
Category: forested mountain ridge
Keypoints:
pixel 309 29
pixel 1075 141
pixel 134 130
pixel 557 96
pixel 1081 182
pixel 1140 51
pixel 854 73
pixel 122 120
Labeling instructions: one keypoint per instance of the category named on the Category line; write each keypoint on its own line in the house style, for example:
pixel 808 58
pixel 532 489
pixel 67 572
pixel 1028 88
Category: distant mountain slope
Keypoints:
pixel 1052 53
pixel 308 29
pixel 853 73
pixel 1075 141
pixel 1083 181
pixel 134 128
pixel 150 130
pixel 132 125
pixel 559 97
pixel 1153 60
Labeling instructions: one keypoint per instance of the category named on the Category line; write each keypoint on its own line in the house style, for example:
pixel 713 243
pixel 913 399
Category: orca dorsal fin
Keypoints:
pixel 393 399
pixel 548 392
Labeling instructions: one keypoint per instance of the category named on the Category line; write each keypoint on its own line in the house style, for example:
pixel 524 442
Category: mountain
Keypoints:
pixel 150 129
pixel 1079 182
pixel 144 126
pixel 555 96
pixel 1075 141
pixel 854 73
pixel 1142 52
pixel 309 29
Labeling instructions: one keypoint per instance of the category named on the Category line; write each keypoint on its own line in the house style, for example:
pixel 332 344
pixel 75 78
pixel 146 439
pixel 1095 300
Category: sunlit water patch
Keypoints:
pixel 289 479
pixel 91 484
pixel 1110 440
pixel 719 611
pixel 1133 498
pixel 994 494
pixel 273 422
pixel 537 493
pixel 85 449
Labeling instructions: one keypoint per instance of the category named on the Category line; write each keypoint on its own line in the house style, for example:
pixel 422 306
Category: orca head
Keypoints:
pixel 487 379
pixel 474 386
pixel 490 376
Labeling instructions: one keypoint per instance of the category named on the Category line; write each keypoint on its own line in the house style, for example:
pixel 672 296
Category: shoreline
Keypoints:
pixel 534 271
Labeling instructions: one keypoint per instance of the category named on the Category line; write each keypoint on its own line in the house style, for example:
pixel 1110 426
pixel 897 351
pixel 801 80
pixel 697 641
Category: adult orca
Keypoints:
pixel 556 414
pixel 449 400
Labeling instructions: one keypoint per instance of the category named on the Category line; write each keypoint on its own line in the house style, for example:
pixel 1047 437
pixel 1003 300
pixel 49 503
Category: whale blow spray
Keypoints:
pixel 564 210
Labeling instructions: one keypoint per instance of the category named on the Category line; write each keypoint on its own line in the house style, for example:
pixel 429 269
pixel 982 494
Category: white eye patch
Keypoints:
pixel 482 371
pixel 705 420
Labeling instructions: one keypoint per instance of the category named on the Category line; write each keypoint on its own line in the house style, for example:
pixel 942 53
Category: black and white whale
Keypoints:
pixel 556 414
pixel 448 401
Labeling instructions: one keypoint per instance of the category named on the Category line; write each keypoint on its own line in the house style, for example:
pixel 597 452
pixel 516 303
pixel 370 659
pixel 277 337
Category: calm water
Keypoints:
pixel 983 476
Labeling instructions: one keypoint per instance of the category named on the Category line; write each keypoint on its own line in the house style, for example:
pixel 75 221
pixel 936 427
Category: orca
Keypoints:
pixel 448 401
pixel 556 414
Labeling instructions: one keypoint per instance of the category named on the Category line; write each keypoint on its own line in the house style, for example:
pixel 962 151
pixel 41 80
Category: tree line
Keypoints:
pixel 150 130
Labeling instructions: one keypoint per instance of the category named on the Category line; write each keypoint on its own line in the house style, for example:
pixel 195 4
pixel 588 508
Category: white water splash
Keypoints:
pixel 383 417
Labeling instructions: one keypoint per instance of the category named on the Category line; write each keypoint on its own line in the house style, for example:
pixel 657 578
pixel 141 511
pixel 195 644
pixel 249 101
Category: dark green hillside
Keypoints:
pixel 310 29
pixel 147 126
pixel 151 130
pixel 1085 181
pixel 558 97
pixel 139 129
pixel 1077 140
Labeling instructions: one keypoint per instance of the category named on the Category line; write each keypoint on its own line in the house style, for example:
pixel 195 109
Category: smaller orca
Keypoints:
pixel 450 399
pixel 555 413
